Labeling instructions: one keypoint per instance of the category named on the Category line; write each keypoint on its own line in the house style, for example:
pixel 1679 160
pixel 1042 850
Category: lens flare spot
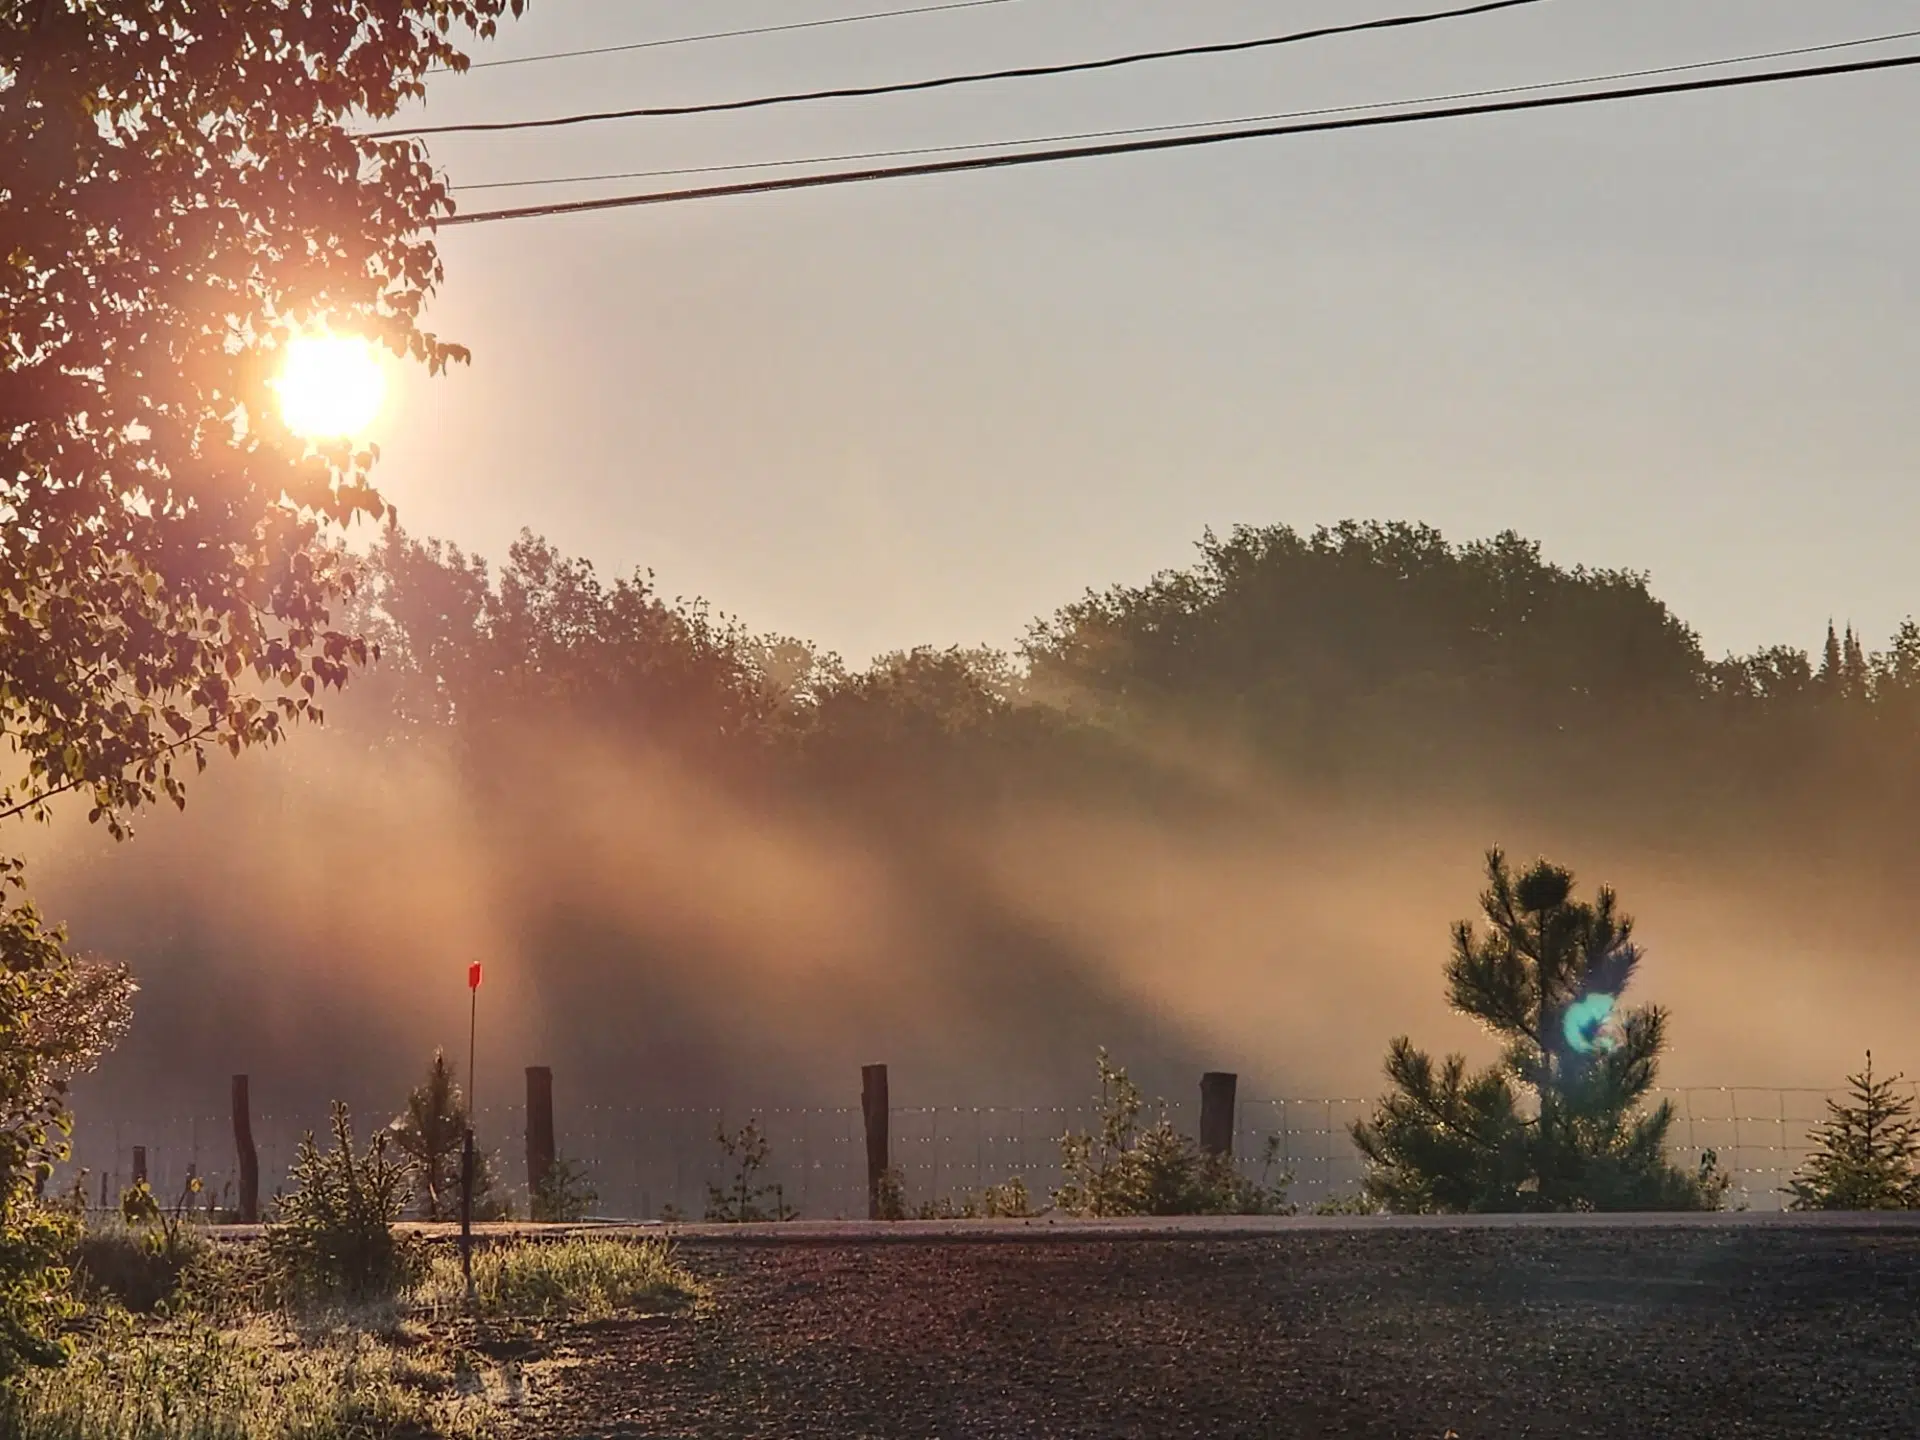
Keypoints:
pixel 330 386
pixel 1586 1024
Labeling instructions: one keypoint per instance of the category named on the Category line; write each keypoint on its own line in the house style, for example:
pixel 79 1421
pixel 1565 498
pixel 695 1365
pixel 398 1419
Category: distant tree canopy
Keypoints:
pixel 1362 618
pixel 547 636
pixel 1365 654
pixel 1381 651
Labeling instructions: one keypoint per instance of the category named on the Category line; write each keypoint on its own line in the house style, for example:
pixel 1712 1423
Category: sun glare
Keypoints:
pixel 330 386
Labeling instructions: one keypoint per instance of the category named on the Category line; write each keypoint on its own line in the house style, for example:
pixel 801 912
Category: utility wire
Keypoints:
pixel 733 34
pixel 1447 99
pixel 1176 142
pixel 941 82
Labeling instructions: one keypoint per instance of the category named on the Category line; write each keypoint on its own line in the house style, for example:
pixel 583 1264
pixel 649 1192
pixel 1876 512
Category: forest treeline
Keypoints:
pixel 712 863
pixel 1374 658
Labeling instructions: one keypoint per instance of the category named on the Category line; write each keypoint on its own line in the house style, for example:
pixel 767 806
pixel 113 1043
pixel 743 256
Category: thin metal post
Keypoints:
pixel 466 1211
pixel 466 1149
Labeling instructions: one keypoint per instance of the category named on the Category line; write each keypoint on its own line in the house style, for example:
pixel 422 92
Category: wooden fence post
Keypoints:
pixel 873 1109
pixel 249 1197
pixel 1217 1089
pixel 139 1165
pixel 540 1152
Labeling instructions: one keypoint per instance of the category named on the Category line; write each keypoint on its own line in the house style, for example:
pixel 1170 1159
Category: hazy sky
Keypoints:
pixel 1677 335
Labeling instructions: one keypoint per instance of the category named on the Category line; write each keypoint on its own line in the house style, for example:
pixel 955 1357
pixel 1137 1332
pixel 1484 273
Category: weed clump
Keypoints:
pixel 332 1240
pixel 1008 1200
pixel 1124 1168
pixel 142 1260
pixel 564 1193
pixel 744 1200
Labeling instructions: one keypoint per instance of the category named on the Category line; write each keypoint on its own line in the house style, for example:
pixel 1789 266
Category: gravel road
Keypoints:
pixel 1388 1334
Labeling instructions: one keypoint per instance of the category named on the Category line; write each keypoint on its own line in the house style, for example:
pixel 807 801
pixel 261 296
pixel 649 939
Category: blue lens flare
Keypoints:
pixel 1586 1024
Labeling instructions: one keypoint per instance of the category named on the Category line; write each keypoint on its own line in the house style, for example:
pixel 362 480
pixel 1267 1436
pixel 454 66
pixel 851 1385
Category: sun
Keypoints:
pixel 330 386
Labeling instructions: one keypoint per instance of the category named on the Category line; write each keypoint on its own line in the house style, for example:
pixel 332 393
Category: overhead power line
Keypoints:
pixel 737 34
pixel 1175 142
pixel 941 82
pixel 1447 99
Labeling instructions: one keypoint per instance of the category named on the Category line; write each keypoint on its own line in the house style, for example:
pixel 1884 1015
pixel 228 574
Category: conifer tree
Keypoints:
pixel 1856 681
pixel 1832 673
pixel 1867 1154
pixel 432 1135
pixel 1558 1122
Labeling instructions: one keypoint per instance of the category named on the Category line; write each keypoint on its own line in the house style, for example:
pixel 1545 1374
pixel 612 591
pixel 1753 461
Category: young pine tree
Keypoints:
pixel 1867 1155
pixel 1559 1122
pixel 432 1135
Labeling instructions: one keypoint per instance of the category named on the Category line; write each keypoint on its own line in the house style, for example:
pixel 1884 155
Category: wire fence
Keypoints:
pixel 644 1162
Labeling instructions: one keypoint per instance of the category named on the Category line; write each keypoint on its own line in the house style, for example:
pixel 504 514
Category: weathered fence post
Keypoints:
pixel 139 1165
pixel 873 1109
pixel 539 1129
pixel 1217 1089
pixel 249 1197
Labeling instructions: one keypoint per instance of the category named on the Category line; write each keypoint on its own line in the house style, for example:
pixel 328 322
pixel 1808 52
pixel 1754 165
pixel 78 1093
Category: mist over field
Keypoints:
pixel 1223 820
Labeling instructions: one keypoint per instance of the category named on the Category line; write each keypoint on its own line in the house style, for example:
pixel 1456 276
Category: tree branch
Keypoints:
pixel 20 807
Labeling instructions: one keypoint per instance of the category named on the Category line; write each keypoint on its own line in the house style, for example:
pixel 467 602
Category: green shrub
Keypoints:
pixel 890 1198
pixel 36 1245
pixel 1355 1202
pixel 584 1278
pixel 744 1200
pixel 564 1193
pixel 134 1268
pixel 141 1260
pixel 1123 1169
pixel 1008 1200
pixel 332 1239
pixel 58 1014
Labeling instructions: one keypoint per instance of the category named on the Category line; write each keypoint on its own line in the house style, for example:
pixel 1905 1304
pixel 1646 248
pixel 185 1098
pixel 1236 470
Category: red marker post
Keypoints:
pixel 466 1150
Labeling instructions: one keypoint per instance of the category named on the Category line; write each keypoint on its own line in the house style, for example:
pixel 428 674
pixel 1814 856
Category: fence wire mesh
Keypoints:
pixel 645 1162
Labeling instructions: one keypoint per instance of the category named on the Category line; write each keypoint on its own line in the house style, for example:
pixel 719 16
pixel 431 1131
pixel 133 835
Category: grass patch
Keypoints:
pixel 139 1267
pixel 218 1351
pixel 187 1381
pixel 583 1278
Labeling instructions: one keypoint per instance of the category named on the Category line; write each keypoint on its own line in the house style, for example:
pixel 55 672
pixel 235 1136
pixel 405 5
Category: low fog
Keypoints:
pixel 309 918
pixel 981 871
